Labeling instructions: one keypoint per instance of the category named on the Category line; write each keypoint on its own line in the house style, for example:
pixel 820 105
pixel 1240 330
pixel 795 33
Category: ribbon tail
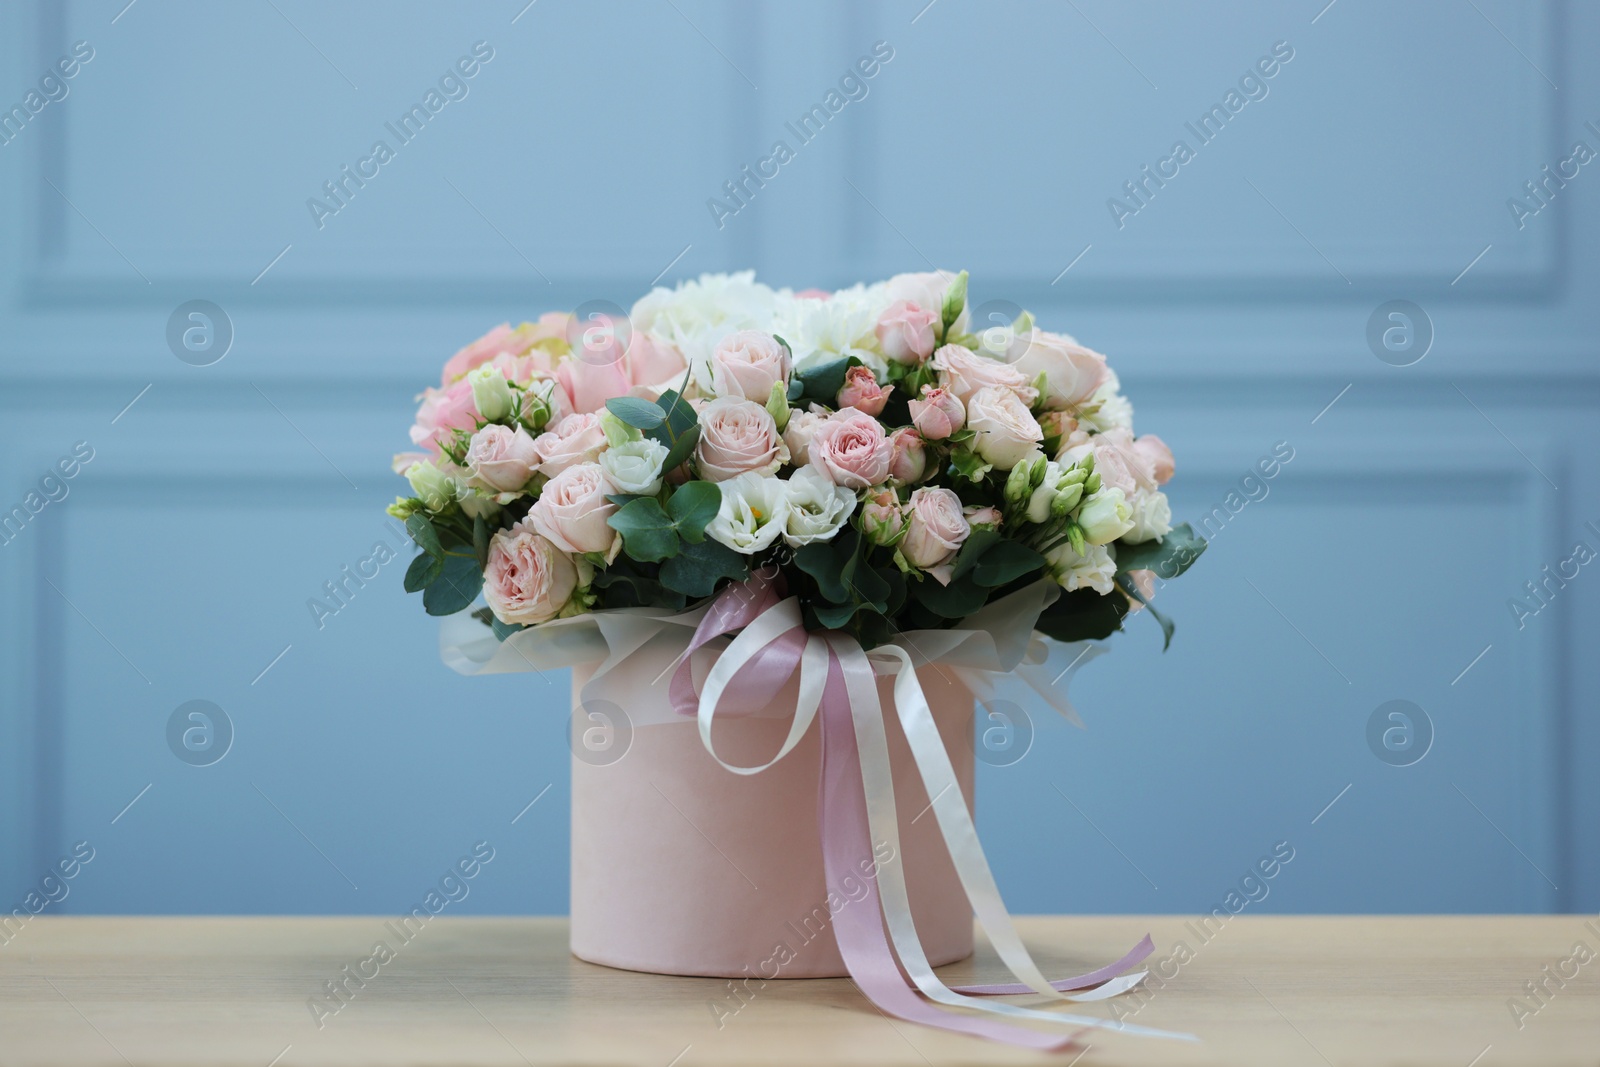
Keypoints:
pixel 1101 977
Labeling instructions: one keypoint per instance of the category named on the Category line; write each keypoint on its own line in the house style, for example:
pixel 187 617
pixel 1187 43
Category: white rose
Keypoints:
pixel 753 512
pixel 635 467
pixel 1096 569
pixel 1105 516
pixel 817 507
pixel 1006 430
pixel 798 433
pixel 1152 516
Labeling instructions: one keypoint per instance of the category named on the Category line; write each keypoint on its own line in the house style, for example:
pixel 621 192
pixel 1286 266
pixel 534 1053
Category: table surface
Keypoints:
pixel 1258 990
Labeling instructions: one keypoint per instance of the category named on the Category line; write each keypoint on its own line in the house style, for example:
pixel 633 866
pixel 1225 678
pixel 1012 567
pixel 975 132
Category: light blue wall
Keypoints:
pixel 1234 304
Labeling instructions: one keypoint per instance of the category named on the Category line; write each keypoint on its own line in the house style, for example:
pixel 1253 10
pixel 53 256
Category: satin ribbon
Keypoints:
pixel 857 806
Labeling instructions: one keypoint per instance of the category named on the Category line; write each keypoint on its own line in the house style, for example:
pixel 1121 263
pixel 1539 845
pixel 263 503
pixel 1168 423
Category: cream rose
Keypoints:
pixel 634 467
pixel 963 373
pixel 1072 373
pixel 798 433
pixel 748 364
pixel 738 436
pixel 501 459
pixel 528 580
pixel 1006 430
pixel 572 510
pixel 935 531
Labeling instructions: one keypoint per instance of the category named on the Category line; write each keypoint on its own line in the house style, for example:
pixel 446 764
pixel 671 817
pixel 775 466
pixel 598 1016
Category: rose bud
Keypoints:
pixel 909 459
pixel 938 414
pixel 862 391
pixel 882 520
pixel 907 332
pixel 977 516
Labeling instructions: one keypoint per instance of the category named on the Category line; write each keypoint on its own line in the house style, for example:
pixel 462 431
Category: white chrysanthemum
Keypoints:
pixel 820 331
pixel 1096 569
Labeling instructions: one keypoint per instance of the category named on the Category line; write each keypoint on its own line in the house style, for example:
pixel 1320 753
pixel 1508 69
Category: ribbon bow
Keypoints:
pixel 837 678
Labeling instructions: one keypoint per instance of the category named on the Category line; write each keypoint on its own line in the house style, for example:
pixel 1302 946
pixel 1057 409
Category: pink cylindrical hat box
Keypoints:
pixel 682 867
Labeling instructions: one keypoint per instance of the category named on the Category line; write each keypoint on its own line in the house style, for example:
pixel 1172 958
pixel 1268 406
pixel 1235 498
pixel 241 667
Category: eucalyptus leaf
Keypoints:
pixel 696 570
pixel 1168 558
pixel 691 506
pixel 1083 615
pixel 423 570
pixel 637 412
pixel 957 600
pixel 1167 627
pixel 1005 562
pixel 648 534
pixel 423 533
pixel 458 585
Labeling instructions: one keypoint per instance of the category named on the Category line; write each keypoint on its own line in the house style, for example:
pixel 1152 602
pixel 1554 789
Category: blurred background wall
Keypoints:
pixel 1430 458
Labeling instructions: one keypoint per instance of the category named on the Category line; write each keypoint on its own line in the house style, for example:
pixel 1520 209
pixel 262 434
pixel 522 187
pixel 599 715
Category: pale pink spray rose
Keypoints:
pixel 981 515
pixel 1005 429
pixel 527 580
pixel 862 391
pixel 851 449
pixel 588 385
pixel 737 435
pixel 797 434
pixel 1072 372
pixel 444 410
pixel 501 339
pixel 963 372
pixel 577 438
pixel 907 332
pixel 935 531
pixel 882 517
pixel 501 459
pixel 652 365
pixel 938 414
pixel 748 364
pixel 926 289
pixel 572 510
pixel 1158 455
pixel 1118 461
pixel 908 456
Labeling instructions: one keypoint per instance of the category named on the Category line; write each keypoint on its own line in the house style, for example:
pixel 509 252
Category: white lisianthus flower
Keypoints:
pixel 1096 569
pixel 431 485
pixel 1114 411
pixel 1152 516
pixel 754 511
pixel 491 393
pixel 1105 516
pixel 817 507
pixel 635 467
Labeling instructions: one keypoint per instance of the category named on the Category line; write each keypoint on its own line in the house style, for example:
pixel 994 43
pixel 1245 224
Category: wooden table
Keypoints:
pixel 1263 990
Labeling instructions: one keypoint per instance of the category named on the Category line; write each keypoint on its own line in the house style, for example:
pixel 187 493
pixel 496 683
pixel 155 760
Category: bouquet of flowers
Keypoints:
pixel 873 451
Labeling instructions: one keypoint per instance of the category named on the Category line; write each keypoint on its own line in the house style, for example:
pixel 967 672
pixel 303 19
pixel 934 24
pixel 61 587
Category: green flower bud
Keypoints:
pixel 778 404
pixel 618 433
pixel 491 393
pixel 955 300
pixel 1075 476
pixel 1075 536
pixel 432 485
pixel 1091 484
pixel 1019 484
pixel 1066 499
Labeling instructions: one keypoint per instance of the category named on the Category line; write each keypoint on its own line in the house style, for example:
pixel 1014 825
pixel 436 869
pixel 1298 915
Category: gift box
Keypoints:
pixel 682 867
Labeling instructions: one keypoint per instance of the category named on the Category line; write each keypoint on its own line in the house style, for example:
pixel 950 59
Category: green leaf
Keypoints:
pixel 680 448
pixel 957 600
pixel 1169 557
pixel 1005 562
pixel 1166 624
pixel 648 534
pixel 691 506
pixel 637 412
pixel 821 383
pixel 834 616
pixel 695 570
pixel 969 464
pixel 1083 615
pixel 826 561
pixel 423 570
pixel 457 586
pixel 972 549
pixel 867 586
pixel 423 533
pixel 503 630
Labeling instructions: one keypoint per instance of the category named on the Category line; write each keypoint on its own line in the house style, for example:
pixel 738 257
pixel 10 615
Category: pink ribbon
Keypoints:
pixel 846 836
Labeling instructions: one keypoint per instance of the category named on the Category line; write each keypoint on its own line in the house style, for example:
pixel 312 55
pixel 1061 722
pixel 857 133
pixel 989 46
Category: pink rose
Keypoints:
pixel 935 531
pixel 501 459
pixel 908 457
pixel 1072 372
pixel 575 439
pixel 927 290
pixel 572 510
pixel 736 436
pixel 938 414
pixel 963 372
pixel 981 516
pixel 599 339
pixel 882 518
pixel 862 392
pixel 1006 430
pixel 520 370
pixel 1058 424
pixel 444 410
pixel 500 339
pixel 528 580
pixel 798 433
pixel 653 366
pixel 907 332
pixel 851 449
pixel 748 364
pixel 1157 455
pixel 589 385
